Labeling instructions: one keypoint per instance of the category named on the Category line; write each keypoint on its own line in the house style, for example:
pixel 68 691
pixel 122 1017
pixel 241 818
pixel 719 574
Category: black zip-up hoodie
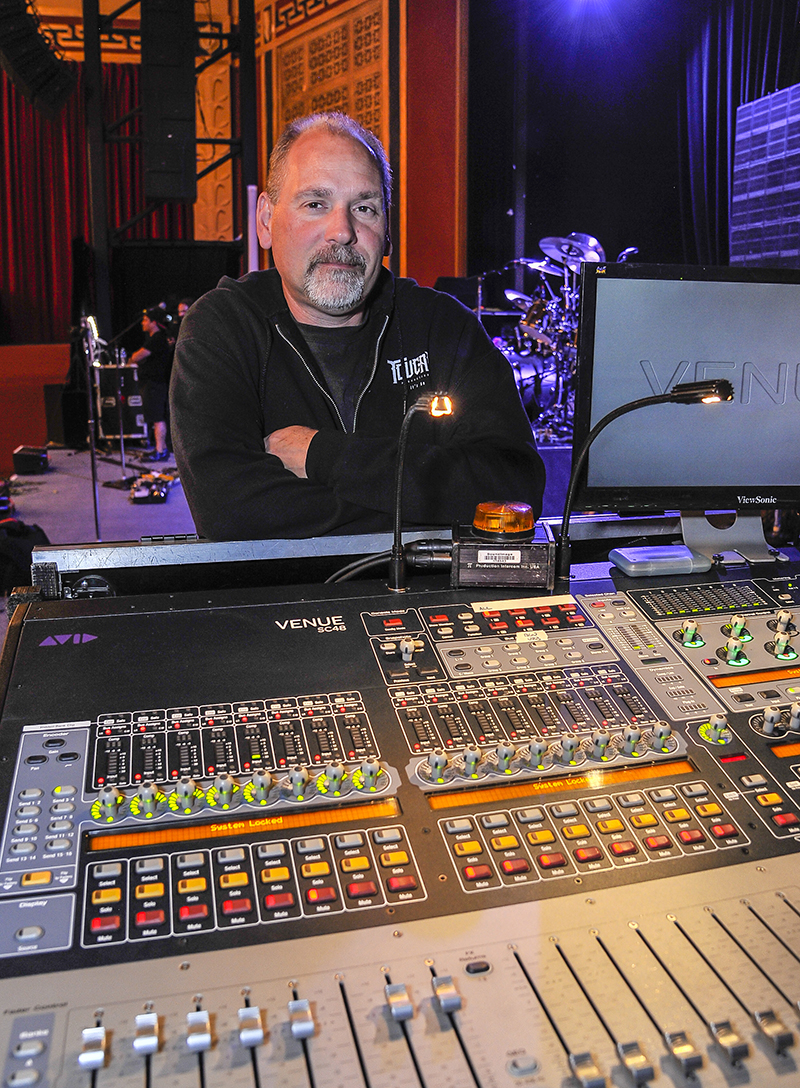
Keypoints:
pixel 242 370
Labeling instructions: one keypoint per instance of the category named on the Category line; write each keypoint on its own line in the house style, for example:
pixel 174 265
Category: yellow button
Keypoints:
pixel 44 876
pixel 275 875
pixel 675 815
pixel 354 865
pixel 710 809
pixel 234 880
pixel 539 838
pixel 769 799
pixel 315 868
pixel 106 895
pixel 394 857
pixel 575 831
pixel 610 827
pixel 505 842
pixel 195 884
pixel 461 849
pixel 149 891
pixel 644 819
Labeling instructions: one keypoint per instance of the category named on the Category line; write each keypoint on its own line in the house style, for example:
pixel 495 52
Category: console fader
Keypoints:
pixel 335 838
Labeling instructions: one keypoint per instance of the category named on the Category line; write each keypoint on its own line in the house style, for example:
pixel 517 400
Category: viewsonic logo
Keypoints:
pixel 60 640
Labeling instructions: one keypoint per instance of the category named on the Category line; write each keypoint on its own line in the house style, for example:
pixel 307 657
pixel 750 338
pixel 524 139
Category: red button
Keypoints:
pixel 693 834
pixel 360 889
pixel 658 842
pixel 109 924
pixel 785 819
pixel 193 912
pixel 576 618
pixel 516 865
pixel 567 607
pixel 551 861
pixel 237 906
pixel 401 884
pixel 441 618
pixel 549 621
pixel 588 853
pixel 516 611
pixel 478 872
pixel 147 918
pixel 542 609
pixel 498 625
pixel 524 623
pixel 393 623
pixel 280 901
pixel 320 895
pixel 724 831
pixel 491 615
pixel 621 849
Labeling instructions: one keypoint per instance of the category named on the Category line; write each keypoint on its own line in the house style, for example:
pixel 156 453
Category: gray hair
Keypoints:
pixel 338 124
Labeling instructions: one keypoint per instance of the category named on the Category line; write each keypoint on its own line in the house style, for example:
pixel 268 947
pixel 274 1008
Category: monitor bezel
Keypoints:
pixel 634 499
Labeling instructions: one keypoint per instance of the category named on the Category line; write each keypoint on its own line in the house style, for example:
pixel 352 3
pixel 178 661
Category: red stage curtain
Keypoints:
pixel 44 202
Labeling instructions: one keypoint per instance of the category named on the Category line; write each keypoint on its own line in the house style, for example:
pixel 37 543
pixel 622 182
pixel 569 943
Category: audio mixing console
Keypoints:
pixel 338 838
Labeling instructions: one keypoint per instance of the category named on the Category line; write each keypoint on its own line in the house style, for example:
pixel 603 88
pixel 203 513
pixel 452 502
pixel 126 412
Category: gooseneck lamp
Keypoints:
pixel 435 405
pixel 708 392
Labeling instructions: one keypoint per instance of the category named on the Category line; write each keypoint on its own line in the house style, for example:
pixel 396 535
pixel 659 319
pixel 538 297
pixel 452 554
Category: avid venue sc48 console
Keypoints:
pixel 336 838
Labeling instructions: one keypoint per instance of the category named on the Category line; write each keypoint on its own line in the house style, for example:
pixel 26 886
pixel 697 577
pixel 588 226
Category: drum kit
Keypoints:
pixel 542 348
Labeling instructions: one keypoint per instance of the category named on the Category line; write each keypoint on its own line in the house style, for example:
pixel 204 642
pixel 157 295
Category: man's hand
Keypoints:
pixel 290 444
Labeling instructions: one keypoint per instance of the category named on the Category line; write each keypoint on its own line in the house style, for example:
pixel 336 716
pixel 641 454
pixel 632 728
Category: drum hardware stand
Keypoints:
pixel 125 481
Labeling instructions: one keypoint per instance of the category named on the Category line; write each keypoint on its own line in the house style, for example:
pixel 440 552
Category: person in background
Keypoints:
pixel 154 360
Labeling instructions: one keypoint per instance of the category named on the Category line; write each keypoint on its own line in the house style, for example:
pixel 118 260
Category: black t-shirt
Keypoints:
pixel 344 355
pixel 156 367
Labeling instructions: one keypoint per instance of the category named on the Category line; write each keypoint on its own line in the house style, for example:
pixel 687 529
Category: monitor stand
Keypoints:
pixel 704 544
pixel 744 539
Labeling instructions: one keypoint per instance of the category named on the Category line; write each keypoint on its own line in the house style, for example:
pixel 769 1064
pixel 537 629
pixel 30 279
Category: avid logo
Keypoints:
pixel 61 640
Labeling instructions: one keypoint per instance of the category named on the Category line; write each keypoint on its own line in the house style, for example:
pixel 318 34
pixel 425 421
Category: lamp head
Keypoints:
pixel 711 391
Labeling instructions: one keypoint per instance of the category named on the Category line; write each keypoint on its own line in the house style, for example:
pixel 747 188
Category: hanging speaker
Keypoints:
pixel 30 59
pixel 169 151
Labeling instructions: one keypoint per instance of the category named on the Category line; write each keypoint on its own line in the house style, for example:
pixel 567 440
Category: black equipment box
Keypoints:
pixel 31 460
pixel 120 382
pixel 479 561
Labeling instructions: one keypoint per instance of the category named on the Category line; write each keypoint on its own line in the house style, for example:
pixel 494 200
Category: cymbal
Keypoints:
pixel 523 302
pixel 573 249
pixel 548 267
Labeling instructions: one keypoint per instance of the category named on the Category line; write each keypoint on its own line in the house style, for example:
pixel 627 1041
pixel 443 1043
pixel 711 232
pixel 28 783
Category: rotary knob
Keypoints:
pixel 772 718
pixel 662 731
pixel 108 803
pixel 437 764
pixel 689 632
pixel 569 748
pixel 370 769
pixel 734 652
pixel 783 620
pixel 298 782
pixel 783 644
pixel 472 759
pixel 538 750
pixel 794 718
pixel 631 737
pixel 717 726
pixel 738 625
pixel 224 792
pixel 505 754
pixel 259 787
pixel 187 797
pixel 600 741
pixel 148 799
pixel 332 777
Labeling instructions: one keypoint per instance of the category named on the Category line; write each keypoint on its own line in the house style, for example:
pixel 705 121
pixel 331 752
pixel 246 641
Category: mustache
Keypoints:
pixel 335 254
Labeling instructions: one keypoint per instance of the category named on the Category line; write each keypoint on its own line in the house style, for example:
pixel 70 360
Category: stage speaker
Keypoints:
pixel 169 151
pixel 43 77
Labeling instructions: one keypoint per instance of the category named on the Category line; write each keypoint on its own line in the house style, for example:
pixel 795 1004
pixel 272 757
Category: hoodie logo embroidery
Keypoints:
pixel 415 371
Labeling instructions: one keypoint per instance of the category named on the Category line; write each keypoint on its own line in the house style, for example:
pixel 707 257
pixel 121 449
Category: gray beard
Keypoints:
pixel 335 290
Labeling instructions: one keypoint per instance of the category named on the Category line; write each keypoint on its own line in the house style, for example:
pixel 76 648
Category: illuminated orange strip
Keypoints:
pixel 755 677
pixel 785 751
pixel 592 781
pixel 280 822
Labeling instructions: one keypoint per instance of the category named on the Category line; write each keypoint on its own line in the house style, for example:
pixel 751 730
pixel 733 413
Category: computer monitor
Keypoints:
pixel 645 328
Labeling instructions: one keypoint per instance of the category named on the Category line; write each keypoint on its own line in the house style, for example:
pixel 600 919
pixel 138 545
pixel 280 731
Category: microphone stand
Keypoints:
pixel 90 342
